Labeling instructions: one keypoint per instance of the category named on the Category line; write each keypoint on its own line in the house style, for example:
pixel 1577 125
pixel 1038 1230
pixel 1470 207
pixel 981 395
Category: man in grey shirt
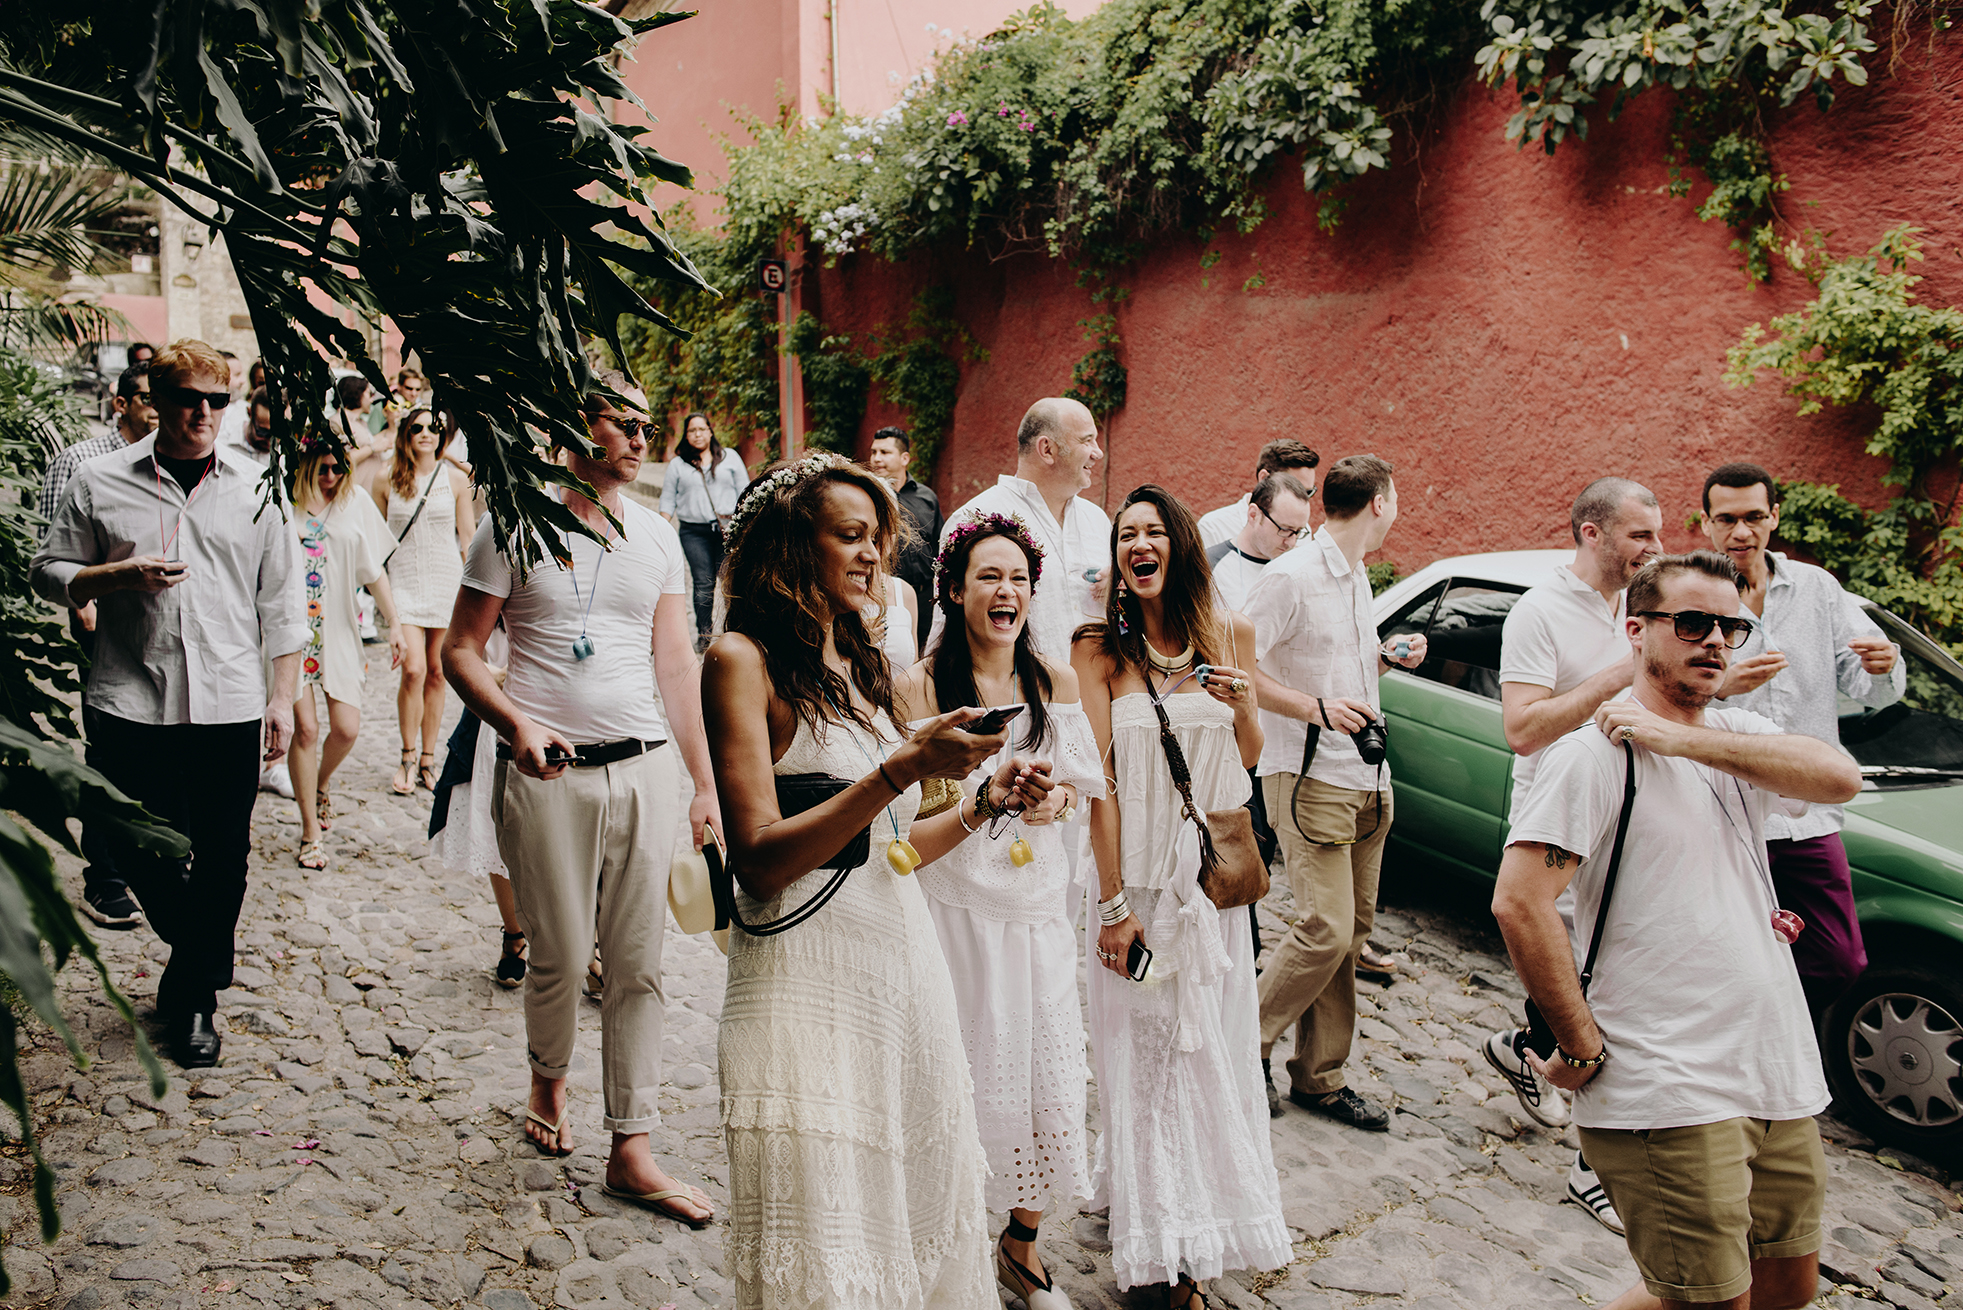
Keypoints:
pixel 1811 646
pixel 167 535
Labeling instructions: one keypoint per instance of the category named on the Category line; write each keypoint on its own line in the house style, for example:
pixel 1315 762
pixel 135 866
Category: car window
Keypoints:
pixel 1462 618
pixel 1919 739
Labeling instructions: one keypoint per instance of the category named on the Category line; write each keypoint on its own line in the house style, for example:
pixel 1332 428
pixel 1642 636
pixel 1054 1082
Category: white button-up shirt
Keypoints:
pixel 1810 620
pixel 1315 632
pixel 1082 542
pixel 191 653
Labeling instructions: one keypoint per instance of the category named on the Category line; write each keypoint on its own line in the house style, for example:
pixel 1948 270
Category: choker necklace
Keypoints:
pixel 1170 663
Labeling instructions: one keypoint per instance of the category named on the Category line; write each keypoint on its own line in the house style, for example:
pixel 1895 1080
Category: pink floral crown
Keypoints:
pixel 970 526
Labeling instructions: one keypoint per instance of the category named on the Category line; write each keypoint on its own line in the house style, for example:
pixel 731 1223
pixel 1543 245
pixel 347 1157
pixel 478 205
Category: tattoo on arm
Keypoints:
pixel 1558 858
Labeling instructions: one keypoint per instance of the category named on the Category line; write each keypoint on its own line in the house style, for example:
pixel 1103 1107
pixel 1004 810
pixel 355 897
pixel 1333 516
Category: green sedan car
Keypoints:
pixel 1894 1043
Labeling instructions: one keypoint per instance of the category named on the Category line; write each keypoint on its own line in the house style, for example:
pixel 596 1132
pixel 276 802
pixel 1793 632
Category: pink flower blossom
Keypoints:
pixel 957 119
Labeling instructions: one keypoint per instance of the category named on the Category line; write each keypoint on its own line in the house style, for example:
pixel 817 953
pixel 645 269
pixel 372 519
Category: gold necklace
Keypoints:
pixel 1170 663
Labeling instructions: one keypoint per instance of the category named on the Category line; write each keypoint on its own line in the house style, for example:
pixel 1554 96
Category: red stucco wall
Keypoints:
pixel 1501 325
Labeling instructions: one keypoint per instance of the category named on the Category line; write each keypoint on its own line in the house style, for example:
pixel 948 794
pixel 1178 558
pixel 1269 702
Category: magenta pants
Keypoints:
pixel 1812 881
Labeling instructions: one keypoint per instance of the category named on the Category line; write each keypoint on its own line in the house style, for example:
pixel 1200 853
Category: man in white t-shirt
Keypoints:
pixel 1562 653
pixel 586 788
pixel 1284 456
pixel 1691 1054
pixel 1056 454
pixel 1277 516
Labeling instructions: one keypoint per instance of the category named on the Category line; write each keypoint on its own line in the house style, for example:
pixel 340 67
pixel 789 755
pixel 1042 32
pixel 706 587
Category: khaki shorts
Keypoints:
pixel 1701 1203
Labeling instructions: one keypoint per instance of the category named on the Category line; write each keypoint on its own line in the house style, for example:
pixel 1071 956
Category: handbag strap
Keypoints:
pixel 1182 777
pixel 415 514
pixel 723 892
pixel 1615 863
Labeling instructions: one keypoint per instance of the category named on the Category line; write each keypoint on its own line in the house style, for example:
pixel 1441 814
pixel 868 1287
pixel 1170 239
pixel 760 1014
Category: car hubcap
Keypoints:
pixel 1907 1053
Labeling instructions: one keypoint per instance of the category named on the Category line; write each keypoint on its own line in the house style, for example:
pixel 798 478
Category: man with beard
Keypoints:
pixel 1694 1066
pixel 1562 654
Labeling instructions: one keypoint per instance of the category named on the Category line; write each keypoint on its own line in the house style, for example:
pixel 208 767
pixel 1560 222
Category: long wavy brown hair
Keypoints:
pixel 402 471
pixel 770 579
pixel 1191 604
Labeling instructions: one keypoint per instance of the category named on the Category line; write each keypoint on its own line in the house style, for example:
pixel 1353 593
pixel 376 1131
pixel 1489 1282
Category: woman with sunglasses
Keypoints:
pixel 427 501
pixel 343 542
pixel 1184 1160
pixel 999 901
pixel 698 495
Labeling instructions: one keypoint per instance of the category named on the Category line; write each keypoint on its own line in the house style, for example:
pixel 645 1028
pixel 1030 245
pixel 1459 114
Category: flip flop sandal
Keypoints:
pixel 401 782
pixel 654 1201
pixel 312 856
pixel 426 773
pixel 557 1130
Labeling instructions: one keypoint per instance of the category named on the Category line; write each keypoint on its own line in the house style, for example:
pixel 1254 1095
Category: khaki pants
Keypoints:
pixel 592 848
pixel 1310 976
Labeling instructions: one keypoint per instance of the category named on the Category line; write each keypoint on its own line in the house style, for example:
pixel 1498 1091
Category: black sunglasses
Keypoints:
pixel 1696 625
pixel 414 428
pixel 190 399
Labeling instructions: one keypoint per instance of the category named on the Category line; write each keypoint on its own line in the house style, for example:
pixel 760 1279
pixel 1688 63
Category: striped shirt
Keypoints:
pixel 62 468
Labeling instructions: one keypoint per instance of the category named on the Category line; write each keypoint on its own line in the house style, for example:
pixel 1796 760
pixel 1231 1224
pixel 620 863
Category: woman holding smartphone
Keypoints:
pixel 1184 1161
pixel 999 902
pixel 855 1170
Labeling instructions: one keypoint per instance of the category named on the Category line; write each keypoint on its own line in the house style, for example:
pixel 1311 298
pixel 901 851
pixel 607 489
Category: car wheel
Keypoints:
pixel 1894 1053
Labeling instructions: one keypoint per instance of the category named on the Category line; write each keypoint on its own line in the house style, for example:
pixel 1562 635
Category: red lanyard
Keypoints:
pixel 156 467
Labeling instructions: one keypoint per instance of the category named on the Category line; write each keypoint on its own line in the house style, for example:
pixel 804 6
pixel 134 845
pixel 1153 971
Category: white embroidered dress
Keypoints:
pixel 855 1171
pixel 1183 1158
pixel 1013 956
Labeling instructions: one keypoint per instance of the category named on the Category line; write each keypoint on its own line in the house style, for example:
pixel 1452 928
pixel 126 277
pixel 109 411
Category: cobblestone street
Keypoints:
pixel 360 1145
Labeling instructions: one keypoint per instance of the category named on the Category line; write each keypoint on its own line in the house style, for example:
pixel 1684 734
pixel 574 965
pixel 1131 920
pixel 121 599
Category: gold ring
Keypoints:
pixel 1239 685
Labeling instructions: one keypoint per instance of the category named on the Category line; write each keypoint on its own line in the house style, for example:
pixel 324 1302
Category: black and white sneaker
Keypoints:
pixel 112 906
pixel 1585 1190
pixel 1539 1098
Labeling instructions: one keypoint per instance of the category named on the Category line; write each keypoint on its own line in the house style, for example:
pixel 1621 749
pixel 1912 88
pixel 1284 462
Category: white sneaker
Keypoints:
pixel 1585 1190
pixel 1538 1097
pixel 275 778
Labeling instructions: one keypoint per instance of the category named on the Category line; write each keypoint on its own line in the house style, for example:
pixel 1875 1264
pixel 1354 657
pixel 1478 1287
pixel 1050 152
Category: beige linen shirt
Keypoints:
pixel 190 654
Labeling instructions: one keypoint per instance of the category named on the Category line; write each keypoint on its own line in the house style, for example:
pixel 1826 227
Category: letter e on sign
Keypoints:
pixel 771 275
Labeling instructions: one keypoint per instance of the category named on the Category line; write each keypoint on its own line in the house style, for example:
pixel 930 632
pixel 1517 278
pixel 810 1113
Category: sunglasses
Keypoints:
pixel 1696 625
pixel 190 399
pixel 631 426
pixel 415 428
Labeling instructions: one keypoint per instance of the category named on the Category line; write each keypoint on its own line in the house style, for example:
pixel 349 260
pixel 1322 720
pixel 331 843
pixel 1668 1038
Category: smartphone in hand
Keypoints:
pixel 994 721
pixel 1137 960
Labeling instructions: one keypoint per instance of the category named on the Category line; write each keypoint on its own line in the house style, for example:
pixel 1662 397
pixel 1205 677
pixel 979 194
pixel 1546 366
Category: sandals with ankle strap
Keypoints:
pixel 401 782
pixel 312 856
pixel 511 965
pixel 323 809
pixel 426 773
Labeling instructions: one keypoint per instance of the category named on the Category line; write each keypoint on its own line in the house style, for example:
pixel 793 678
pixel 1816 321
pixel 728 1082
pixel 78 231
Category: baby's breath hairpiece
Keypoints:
pixel 970 526
pixel 767 491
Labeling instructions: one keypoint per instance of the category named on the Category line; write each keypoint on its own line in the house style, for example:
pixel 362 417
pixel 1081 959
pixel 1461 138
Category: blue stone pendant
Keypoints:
pixel 582 646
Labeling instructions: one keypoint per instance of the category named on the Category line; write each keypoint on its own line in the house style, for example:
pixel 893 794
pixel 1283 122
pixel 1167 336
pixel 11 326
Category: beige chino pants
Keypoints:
pixel 1309 978
pixel 590 850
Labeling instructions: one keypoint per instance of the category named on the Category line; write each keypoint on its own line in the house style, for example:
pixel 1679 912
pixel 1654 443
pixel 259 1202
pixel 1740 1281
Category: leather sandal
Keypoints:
pixel 511 965
pixel 402 781
pixel 658 1202
pixel 312 856
pixel 323 809
pixel 426 773
pixel 1036 1293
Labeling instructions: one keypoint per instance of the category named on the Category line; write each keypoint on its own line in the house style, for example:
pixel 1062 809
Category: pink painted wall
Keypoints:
pixel 740 57
pixel 1501 325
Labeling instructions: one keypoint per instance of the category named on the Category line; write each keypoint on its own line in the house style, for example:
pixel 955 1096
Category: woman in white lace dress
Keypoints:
pixel 1000 905
pixel 1183 1159
pixel 855 1170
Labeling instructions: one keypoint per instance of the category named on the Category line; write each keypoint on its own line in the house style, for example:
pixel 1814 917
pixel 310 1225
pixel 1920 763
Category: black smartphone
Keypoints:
pixel 1138 960
pixel 994 721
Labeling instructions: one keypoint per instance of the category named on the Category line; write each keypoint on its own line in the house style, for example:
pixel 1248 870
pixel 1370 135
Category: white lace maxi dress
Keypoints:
pixel 855 1169
pixel 1183 1158
pixel 1012 953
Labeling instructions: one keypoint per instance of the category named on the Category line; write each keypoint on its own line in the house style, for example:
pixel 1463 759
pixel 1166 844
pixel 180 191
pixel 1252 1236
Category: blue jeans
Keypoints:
pixel 702 546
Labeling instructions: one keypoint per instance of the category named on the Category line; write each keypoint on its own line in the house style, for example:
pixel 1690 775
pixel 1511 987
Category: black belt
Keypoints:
pixel 601 753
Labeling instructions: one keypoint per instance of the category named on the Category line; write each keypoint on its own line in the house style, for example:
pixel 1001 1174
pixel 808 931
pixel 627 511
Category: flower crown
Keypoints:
pixel 969 526
pixel 767 491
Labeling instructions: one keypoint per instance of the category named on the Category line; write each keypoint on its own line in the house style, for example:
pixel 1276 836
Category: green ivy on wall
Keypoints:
pixel 1864 340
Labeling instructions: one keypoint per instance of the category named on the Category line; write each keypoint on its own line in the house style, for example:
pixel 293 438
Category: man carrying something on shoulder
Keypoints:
pixel 586 789
pixel 1694 1066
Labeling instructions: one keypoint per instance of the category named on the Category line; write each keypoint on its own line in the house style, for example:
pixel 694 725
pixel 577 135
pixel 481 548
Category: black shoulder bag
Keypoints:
pixel 1539 1038
pixel 796 793
pixel 414 515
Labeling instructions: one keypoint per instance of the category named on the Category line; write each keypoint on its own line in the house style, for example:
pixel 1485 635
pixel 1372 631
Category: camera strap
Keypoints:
pixel 1312 738
pixel 1615 863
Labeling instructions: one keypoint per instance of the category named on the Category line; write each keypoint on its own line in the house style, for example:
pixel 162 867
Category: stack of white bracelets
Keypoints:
pixel 1113 911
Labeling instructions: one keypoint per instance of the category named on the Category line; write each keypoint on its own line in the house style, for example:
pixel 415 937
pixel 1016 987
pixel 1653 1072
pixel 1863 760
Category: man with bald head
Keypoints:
pixel 1563 653
pixel 1056 454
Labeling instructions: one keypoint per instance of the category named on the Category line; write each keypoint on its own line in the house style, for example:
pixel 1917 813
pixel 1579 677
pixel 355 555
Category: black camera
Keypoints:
pixel 1372 740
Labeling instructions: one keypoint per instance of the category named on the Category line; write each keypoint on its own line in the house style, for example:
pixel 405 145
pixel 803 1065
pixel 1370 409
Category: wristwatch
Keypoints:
pixel 1574 1063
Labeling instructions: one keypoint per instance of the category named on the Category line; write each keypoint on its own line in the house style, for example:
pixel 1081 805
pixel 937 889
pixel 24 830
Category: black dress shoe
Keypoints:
pixel 196 1041
pixel 1344 1106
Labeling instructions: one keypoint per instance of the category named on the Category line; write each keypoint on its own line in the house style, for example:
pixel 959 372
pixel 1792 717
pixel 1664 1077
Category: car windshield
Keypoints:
pixel 1917 741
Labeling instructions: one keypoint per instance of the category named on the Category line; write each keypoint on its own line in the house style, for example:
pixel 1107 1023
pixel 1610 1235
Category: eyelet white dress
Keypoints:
pixel 1183 1158
pixel 427 568
pixel 855 1170
pixel 1013 956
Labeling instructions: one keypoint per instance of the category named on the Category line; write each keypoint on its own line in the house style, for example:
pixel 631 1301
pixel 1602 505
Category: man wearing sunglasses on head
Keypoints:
pixel 1812 645
pixel 190 579
pixel 1688 1047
